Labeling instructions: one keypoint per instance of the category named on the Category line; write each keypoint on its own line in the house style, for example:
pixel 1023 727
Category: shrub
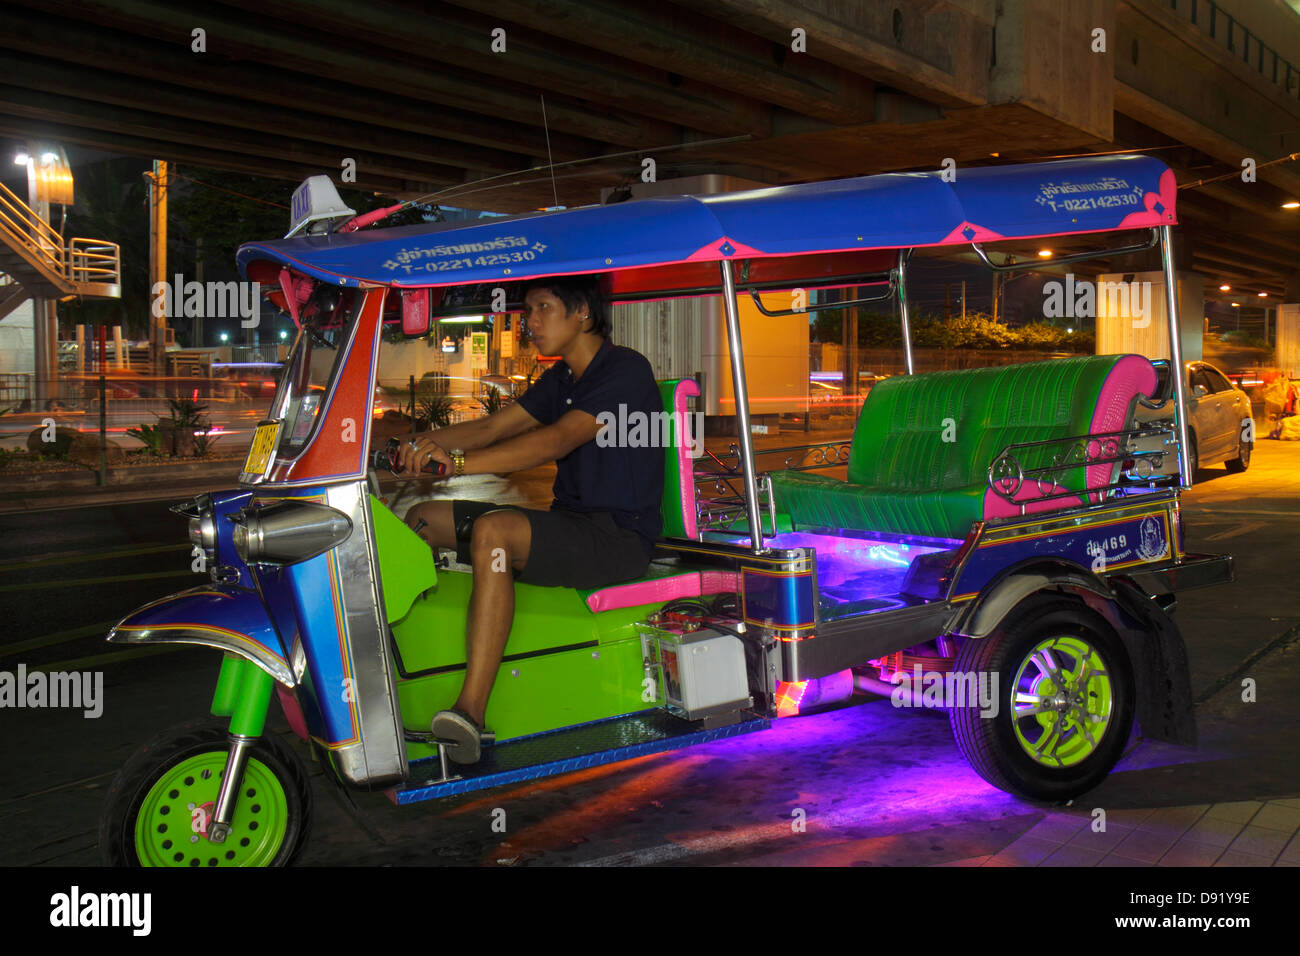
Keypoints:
pixel 151 436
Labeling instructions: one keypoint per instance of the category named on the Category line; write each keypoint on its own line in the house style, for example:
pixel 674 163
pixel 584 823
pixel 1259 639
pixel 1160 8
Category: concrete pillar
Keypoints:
pixel 1288 339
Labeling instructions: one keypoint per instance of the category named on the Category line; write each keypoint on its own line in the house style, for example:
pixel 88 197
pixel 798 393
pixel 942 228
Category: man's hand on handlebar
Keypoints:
pixel 423 455
pixel 418 456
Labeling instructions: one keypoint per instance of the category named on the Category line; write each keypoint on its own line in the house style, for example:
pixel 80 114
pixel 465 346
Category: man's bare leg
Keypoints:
pixel 439 528
pixel 501 542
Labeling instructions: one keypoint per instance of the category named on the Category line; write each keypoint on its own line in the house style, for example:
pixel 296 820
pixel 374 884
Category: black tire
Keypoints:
pixel 186 741
pixel 991 744
pixel 1193 459
pixel 1239 464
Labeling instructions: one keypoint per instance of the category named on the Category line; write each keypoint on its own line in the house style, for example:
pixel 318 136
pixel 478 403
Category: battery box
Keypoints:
pixel 696 674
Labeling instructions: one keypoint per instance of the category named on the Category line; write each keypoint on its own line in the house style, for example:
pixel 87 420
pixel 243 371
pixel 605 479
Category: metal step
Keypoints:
pixel 563 751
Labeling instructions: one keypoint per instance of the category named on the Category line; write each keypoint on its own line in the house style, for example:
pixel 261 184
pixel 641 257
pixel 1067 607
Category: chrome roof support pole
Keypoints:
pixel 741 392
pixel 903 256
pixel 1176 370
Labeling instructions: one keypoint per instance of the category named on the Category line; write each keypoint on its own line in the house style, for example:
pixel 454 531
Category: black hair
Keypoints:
pixel 575 292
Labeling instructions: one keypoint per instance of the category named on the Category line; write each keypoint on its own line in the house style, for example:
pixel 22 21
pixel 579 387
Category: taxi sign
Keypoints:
pixel 261 453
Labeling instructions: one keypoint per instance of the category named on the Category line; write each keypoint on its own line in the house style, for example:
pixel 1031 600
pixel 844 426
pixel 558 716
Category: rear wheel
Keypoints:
pixel 1064 692
pixel 159 806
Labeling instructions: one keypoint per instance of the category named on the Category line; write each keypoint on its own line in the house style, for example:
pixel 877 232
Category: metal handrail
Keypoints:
pixel 1007 475
pixel 94 260
pixel 80 260
pixel 29 231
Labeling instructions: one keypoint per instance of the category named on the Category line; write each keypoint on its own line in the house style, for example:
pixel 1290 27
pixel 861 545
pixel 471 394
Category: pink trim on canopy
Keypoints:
pixel 1151 216
pixel 723 248
pixel 976 234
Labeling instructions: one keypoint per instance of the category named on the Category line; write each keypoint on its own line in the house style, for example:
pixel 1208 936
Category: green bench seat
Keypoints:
pixel 920 453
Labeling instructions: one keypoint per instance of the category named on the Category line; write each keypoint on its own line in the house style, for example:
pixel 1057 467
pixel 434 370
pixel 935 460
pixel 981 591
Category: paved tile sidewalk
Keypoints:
pixel 1245 833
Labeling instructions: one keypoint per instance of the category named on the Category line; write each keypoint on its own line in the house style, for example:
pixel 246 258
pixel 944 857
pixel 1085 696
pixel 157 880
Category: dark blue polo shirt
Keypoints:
pixel 625 478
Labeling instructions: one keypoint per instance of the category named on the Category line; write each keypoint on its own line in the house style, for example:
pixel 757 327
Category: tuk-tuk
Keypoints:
pixel 1016 527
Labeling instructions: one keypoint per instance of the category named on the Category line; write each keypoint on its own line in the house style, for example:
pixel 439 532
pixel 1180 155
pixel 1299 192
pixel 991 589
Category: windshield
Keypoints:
pixel 313 364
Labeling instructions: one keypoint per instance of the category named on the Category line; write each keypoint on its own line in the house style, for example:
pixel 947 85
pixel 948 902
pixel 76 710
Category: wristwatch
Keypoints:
pixel 458 459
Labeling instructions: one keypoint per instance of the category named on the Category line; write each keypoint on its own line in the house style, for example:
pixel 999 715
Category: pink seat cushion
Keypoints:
pixel 662 589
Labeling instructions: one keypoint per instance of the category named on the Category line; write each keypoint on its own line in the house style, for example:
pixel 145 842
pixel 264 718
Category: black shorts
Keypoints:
pixel 571 549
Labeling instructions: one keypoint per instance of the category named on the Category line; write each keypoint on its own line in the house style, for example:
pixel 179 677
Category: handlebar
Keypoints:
pixel 386 457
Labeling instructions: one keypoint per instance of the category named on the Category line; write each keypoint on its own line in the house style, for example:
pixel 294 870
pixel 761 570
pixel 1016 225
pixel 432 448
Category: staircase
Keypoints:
pixel 37 263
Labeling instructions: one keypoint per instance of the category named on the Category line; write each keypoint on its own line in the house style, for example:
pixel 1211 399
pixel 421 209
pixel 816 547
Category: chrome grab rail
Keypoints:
pixel 1007 474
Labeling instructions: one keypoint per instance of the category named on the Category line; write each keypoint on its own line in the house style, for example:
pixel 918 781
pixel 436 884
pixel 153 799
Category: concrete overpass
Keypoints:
pixel 421 99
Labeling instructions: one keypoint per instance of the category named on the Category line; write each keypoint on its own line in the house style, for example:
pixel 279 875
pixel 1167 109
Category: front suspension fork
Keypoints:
pixel 243 694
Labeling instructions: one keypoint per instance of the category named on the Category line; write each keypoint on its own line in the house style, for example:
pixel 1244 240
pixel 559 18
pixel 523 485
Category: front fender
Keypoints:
pixel 232 619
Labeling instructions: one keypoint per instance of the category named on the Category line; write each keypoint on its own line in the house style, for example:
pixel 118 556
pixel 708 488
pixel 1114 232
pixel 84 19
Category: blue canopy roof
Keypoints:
pixel 889 211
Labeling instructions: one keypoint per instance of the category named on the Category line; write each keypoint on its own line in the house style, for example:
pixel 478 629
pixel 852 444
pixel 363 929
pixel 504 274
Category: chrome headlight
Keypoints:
pixel 286 532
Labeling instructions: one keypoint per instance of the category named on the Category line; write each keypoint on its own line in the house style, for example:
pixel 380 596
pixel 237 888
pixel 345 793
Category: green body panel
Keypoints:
pixel 405 561
pixel 674 523
pixel 223 698
pixel 554 689
pixel 904 477
pixel 253 696
pixel 536 694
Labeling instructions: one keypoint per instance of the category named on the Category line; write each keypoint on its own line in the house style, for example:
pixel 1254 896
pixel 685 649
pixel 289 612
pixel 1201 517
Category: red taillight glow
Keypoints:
pixel 789 694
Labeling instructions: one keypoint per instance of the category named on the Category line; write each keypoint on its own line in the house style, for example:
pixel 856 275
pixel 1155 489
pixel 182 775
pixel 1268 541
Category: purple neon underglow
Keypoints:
pixel 857 569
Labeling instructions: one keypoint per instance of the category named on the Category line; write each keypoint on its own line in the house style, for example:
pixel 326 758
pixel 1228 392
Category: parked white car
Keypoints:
pixel 1217 417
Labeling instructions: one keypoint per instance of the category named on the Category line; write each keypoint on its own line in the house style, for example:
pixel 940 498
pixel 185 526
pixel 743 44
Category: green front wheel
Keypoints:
pixel 159 808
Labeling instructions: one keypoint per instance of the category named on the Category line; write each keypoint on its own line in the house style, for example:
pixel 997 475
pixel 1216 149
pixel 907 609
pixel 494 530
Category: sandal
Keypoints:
pixel 462 737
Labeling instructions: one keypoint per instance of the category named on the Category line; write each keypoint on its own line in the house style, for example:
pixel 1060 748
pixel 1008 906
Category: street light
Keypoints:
pixel 225 337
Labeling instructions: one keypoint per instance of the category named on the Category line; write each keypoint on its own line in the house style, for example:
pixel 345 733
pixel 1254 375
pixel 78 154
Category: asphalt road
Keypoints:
pixel 878 785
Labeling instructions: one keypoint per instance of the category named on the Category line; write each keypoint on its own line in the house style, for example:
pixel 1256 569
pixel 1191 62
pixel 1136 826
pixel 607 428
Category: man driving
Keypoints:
pixel 604 518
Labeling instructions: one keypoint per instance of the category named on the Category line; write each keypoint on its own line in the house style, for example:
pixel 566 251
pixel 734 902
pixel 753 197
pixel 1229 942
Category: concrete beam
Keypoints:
pixel 400 74
pixel 937 50
pixel 258 90
pixel 716 55
pixel 1044 59
pixel 619 81
pixel 1172 77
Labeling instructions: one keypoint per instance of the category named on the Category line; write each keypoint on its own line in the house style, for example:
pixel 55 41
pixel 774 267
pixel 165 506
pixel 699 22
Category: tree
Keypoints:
pixel 112 203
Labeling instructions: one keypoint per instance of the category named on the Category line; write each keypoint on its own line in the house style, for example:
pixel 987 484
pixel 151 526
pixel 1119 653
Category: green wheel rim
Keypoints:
pixel 1062 701
pixel 163 827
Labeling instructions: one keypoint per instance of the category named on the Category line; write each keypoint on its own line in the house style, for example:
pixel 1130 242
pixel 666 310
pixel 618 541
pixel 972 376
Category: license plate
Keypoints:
pixel 262 450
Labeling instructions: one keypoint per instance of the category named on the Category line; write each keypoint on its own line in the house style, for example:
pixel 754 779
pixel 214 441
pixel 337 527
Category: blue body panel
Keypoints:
pixel 889 211
pixel 1101 546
